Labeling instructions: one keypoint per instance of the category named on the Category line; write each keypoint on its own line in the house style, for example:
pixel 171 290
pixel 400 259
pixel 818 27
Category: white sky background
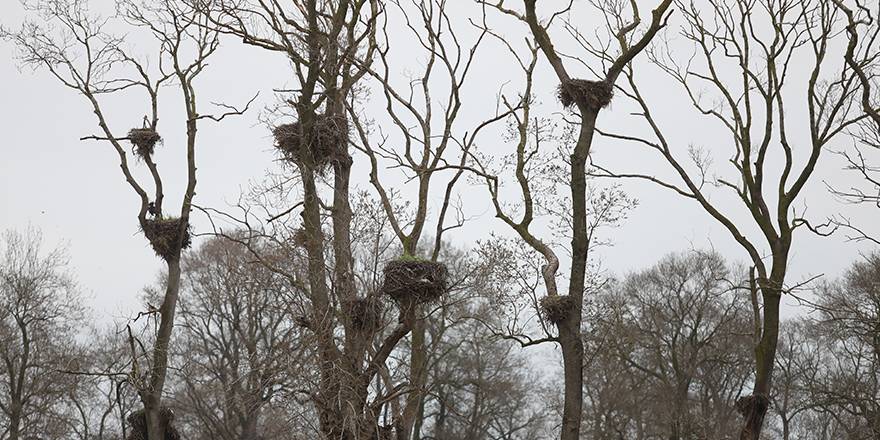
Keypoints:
pixel 74 191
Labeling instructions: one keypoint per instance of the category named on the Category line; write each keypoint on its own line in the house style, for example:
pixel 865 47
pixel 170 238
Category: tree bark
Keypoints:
pixel 152 398
pixel 754 408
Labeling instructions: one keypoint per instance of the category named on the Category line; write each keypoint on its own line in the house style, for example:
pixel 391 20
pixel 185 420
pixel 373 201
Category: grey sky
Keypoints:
pixel 73 190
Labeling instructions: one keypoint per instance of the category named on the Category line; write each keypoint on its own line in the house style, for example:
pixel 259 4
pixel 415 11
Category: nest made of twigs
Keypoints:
pixel 138 423
pixel 592 94
pixel 299 237
pixel 164 236
pixel 327 143
pixel 144 141
pixel 556 308
pixel 414 280
pixel 747 405
pixel 364 313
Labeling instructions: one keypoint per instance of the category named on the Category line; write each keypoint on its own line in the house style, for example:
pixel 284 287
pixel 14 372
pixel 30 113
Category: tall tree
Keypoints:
pixel 75 47
pixel 752 80
pixel 427 144
pixel 586 98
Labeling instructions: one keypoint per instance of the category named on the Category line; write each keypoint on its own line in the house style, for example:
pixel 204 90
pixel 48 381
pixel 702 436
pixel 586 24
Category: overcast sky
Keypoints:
pixel 73 190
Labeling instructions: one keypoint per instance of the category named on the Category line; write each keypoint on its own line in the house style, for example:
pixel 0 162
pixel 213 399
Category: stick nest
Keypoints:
pixel 327 143
pixel 751 404
pixel 365 313
pixel 138 423
pixel 556 308
pixel 299 237
pixel 592 94
pixel 164 236
pixel 413 280
pixel 144 141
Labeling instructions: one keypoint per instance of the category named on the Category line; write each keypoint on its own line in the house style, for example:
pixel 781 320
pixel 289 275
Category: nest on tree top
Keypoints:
pixel 365 313
pixel 414 281
pixel 556 308
pixel 144 141
pixel 138 423
pixel 326 142
pixel 592 94
pixel 164 236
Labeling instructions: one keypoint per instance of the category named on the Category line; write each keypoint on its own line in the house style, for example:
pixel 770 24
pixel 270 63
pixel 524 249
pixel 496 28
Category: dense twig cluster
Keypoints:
pixel 144 141
pixel 364 313
pixel 750 404
pixel 325 144
pixel 138 422
pixel 591 94
pixel 299 237
pixel 414 281
pixel 164 236
pixel 556 308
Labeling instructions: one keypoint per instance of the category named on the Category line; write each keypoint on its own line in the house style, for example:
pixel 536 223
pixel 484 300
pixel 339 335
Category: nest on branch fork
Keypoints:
pixel 325 143
pixel 591 94
pixel 365 313
pixel 138 423
pixel 556 308
pixel 414 281
pixel 164 235
pixel 144 141
pixel 749 405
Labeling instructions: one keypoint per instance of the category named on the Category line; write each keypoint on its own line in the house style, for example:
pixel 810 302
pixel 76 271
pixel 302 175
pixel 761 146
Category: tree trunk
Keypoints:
pixel 572 363
pixel 15 420
pixel 418 378
pixel 152 398
pixel 249 428
pixel 754 408
pixel 570 328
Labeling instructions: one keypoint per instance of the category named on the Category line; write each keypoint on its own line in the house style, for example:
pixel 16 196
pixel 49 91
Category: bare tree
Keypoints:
pixel 750 106
pixel 75 48
pixel 240 351
pixel 678 331
pixel 861 56
pixel 426 145
pixel 587 98
pixel 847 332
pixel 40 315
pixel 99 397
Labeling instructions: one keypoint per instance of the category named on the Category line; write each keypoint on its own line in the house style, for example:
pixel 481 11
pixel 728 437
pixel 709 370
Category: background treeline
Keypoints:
pixel 667 355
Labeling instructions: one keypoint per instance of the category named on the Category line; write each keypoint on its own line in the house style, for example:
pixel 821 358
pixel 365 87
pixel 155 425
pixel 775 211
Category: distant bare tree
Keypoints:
pixel 75 48
pixel 679 331
pixel 847 334
pixel 99 397
pixel 40 315
pixel 751 106
pixel 240 351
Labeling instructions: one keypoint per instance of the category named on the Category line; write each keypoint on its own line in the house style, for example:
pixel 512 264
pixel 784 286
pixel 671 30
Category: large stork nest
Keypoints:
pixel 138 423
pixel 591 94
pixel 365 313
pixel 164 236
pixel 144 141
pixel 410 280
pixel 556 308
pixel 327 143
